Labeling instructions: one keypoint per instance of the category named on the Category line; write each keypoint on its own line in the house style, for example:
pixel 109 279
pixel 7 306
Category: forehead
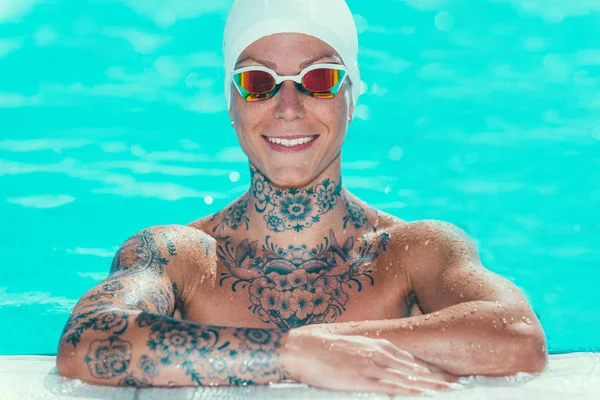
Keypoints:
pixel 292 49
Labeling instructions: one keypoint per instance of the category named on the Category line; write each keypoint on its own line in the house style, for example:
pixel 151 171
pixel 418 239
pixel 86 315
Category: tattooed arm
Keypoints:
pixel 121 333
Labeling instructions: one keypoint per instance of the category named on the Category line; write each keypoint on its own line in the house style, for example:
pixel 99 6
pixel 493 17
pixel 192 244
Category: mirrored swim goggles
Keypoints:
pixel 322 81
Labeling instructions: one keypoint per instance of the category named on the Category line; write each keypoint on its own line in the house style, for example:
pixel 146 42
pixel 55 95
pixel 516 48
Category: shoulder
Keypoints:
pixel 442 237
pixel 429 243
pixel 162 236
pixel 165 246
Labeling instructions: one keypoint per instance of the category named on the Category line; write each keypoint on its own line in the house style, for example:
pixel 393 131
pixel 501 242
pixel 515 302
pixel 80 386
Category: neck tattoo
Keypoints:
pixel 292 209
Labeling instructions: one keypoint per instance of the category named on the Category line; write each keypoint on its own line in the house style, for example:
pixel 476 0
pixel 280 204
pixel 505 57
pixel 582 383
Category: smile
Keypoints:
pixel 291 142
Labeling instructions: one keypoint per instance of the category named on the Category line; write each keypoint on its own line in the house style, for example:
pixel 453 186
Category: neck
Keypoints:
pixel 296 210
pixel 292 214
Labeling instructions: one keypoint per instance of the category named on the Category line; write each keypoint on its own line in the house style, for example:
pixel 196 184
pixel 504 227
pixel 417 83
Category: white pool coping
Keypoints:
pixel 573 376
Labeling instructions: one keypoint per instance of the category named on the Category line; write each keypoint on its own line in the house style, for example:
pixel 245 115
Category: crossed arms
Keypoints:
pixel 122 331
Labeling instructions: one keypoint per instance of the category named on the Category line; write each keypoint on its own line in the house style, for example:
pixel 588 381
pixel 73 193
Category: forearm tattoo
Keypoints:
pixel 207 354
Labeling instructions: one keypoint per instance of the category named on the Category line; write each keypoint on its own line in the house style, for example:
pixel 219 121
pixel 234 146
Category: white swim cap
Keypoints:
pixel 328 20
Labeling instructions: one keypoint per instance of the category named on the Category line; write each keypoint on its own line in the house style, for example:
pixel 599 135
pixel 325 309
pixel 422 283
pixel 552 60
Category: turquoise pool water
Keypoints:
pixel 482 113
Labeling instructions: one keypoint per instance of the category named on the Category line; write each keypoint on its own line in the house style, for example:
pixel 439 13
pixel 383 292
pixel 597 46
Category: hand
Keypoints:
pixel 357 364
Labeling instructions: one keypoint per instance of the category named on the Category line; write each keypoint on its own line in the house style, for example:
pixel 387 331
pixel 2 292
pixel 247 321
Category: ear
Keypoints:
pixel 351 113
pixel 231 111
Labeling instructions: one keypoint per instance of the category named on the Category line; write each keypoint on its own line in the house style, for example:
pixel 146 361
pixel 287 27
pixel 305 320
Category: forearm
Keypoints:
pixel 473 338
pixel 133 348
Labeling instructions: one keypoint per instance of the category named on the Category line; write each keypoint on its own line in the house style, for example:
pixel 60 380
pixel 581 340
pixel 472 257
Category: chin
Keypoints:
pixel 290 177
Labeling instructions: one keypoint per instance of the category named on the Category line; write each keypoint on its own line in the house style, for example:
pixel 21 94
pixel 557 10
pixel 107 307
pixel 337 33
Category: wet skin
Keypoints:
pixel 297 252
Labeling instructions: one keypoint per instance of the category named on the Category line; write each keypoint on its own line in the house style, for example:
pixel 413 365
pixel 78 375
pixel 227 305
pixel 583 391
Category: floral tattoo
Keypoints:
pixel 298 286
pixel 285 210
pixel 293 209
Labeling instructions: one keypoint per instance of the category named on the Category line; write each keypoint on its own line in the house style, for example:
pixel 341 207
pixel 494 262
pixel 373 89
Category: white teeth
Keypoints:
pixel 293 142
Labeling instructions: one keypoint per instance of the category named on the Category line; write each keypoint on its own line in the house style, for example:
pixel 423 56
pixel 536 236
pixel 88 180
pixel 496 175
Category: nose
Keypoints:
pixel 289 102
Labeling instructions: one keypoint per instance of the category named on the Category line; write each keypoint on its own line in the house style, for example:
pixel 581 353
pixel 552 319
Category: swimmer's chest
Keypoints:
pixel 293 294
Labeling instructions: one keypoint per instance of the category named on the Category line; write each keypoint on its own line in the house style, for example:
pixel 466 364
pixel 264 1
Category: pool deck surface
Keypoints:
pixel 570 376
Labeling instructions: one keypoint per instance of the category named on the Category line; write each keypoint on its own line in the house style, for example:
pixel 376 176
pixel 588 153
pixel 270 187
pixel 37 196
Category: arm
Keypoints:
pixel 475 321
pixel 121 333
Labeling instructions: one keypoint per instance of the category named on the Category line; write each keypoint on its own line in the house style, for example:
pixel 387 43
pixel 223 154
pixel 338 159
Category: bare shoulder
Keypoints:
pixel 441 237
pixel 426 241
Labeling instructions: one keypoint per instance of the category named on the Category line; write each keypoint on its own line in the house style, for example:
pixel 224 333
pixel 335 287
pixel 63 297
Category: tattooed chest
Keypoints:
pixel 297 285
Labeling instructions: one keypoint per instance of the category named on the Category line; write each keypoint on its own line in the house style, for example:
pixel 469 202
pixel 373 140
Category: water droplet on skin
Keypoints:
pixel 378 332
pixel 354 324
pixel 406 247
pixel 512 320
pixel 437 313
pixel 410 327
pixel 461 295
pixel 427 317
pixel 527 320
pixel 473 311
pixel 330 330
pixel 504 321
pixel 426 242
pixel 418 324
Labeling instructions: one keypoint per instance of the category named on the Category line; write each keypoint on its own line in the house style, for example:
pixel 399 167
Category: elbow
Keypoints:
pixel 66 362
pixel 64 367
pixel 530 353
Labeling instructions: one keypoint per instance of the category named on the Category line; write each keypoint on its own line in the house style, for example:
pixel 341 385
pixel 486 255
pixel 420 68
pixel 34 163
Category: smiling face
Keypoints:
pixel 291 118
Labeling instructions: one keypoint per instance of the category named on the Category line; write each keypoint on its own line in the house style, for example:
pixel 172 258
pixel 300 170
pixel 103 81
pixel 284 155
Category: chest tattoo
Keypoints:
pixel 297 285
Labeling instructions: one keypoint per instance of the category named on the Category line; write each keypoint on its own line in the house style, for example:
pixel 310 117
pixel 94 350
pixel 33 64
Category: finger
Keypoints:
pixel 402 355
pixel 409 377
pixel 397 351
pixel 393 387
pixel 436 371
pixel 388 360
pixel 426 382
pixel 374 385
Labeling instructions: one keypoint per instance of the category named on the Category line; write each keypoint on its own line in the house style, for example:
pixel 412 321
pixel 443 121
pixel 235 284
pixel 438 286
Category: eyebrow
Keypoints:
pixel 303 65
